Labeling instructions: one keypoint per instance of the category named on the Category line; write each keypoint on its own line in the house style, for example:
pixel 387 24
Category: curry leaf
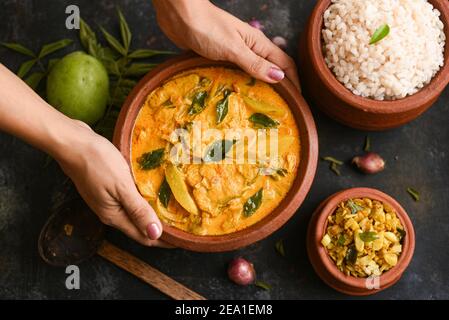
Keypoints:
pixel 25 68
pixel 402 234
pixel 124 30
pixel 139 69
pixel 217 151
pixel 222 107
pixel 351 255
pixel 198 102
pixel 341 240
pixel 354 206
pixel 368 236
pixel 55 46
pixel 87 36
pixel 114 43
pixel 414 194
pixel 380 33
pixel 253 203
pixel 251 82
pixel 151 160
pixel 280 247
pixel 164 193
pixel 147 53
pixel 52 63
pixel 34 79
pixel 263 121
pixel 332 160
pixel 20 49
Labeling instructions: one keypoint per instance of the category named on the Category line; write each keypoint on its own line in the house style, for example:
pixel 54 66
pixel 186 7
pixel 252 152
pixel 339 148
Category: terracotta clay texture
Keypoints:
pixel 325 266
pixel 341 104
pixel 286 209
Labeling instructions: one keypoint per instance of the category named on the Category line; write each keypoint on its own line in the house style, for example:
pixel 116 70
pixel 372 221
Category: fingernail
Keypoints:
pixel 276 74
pixel 153 230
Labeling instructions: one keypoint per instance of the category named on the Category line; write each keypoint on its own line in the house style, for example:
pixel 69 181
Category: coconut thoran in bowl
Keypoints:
pixel 214 151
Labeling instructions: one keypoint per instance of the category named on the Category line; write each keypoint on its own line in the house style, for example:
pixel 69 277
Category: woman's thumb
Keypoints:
pixel 141 213
pixel 257 66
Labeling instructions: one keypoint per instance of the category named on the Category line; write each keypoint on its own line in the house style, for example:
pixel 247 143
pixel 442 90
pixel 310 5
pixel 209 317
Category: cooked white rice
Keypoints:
pixel 398 65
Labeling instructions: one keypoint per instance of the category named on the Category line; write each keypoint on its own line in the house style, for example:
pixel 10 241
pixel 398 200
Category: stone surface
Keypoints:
pixel 417 155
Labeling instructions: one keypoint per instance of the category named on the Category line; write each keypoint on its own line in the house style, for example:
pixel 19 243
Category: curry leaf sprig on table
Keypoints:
pixel 119 60
pixel 36 62
pixel 117 57
pixel 334 164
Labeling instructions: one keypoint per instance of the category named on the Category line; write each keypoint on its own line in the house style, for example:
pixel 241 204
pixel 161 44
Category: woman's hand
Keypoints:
pixel 104 180
pixel 100 173
pixel 215 34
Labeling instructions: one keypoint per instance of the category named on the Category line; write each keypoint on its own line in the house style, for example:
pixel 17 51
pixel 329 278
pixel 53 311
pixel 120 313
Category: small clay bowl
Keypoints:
pixel 289 205
pixel 325 267
pixel 334 99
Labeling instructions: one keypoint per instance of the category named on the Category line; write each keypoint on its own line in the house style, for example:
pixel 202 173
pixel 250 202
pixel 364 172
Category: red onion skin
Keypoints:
pixel 241 272
pixel 256 24
pixel 369 163
pixel 280 42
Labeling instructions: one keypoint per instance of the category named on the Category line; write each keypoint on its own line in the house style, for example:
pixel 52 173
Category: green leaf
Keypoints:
pixel 280 247
pixel 52 63
pixel 128 83
pixel 262 285
pixel 151 160
pixel 380 33
pixel 332 160
pixel 251 82
pixel 20 49
pixel 108 54
pixel 114 43
pixel 414 194
pixel 402 234
pixel 34 79
pixel 351 255
pixel 111 67
pixel 198 102
pixel 124 31
pixel 222 107
pixel 368 236
pixel 217 151
pixel 139 69
pixel 263 121
pixel 55 46
pixel 106 125
pixel 164 193
pixel 341 240
pixel 354 206
pixel 253 203
pixel 87 36
pixel 25 68
pixel 335 169
pixel 147 53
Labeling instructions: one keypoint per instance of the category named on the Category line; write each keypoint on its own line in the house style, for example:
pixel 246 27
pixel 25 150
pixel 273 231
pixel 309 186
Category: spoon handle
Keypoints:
pixel 147 273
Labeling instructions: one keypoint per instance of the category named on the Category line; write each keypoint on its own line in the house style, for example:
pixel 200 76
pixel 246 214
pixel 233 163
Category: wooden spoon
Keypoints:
pixel 74 234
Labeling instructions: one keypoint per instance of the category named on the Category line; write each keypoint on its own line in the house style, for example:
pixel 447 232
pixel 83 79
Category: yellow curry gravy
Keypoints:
pixel 212 198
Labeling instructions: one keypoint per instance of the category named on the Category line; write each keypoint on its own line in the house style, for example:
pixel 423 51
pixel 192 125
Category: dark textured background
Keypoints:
pixel 416 154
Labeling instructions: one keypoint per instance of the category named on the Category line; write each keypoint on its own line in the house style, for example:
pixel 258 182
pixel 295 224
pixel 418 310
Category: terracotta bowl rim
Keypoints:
pixel 328 207
pixel 415 101
pixel 273 221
